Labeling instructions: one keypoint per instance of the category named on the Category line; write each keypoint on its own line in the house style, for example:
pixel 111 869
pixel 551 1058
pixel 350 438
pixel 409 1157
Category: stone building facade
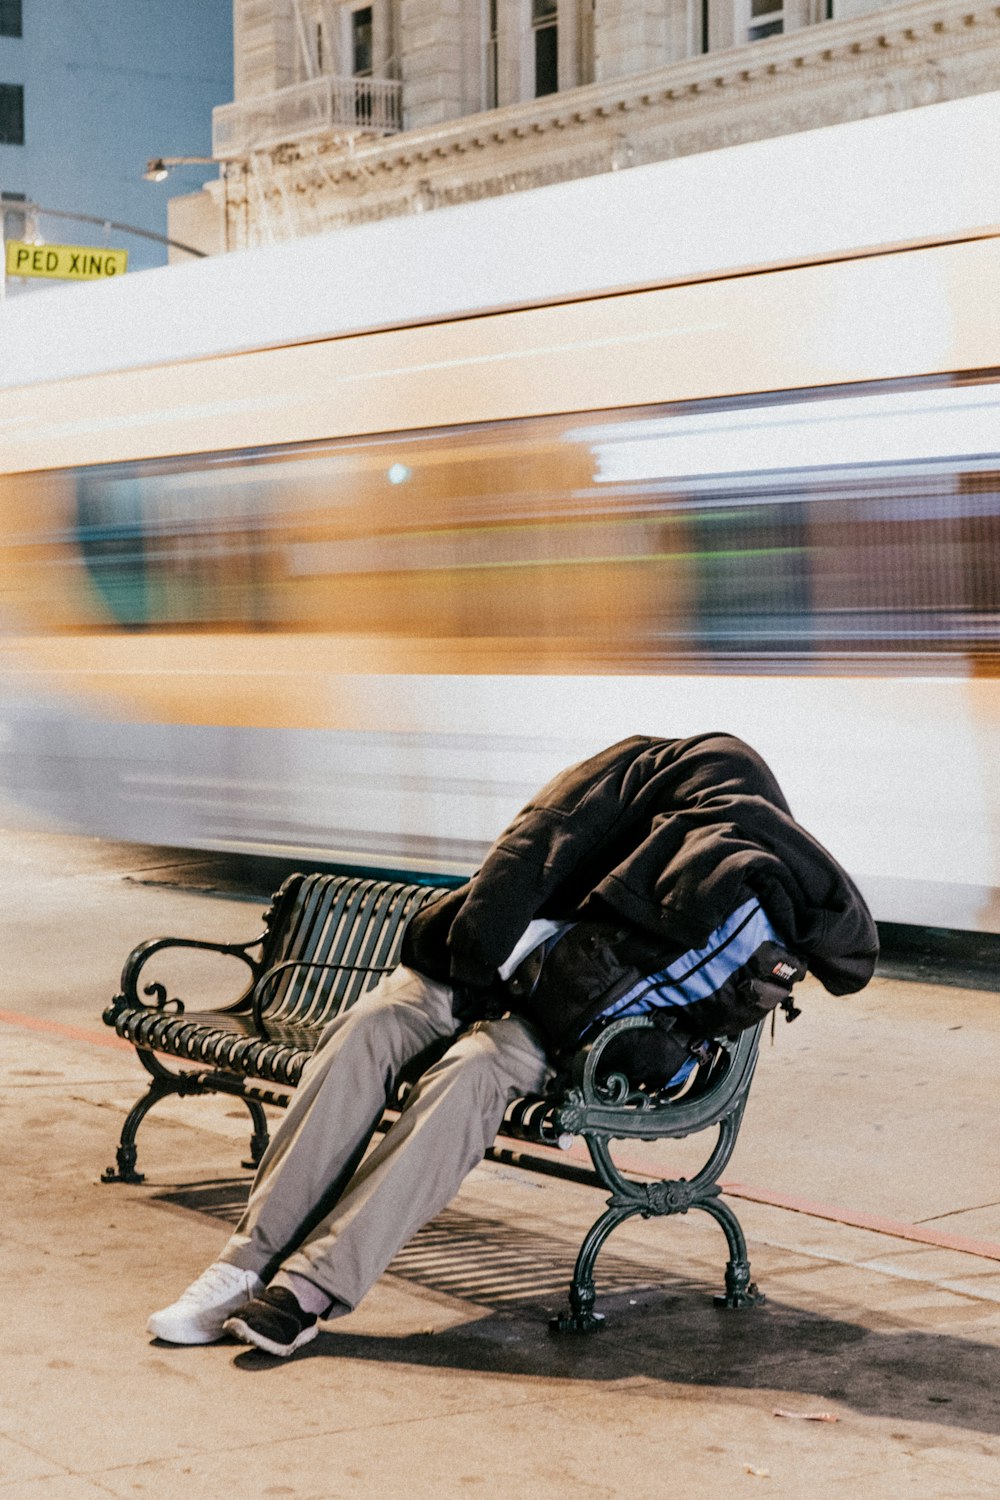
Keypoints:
pixel 346 112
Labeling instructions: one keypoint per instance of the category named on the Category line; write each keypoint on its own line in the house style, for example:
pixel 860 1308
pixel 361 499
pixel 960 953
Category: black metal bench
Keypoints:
pixel 327 939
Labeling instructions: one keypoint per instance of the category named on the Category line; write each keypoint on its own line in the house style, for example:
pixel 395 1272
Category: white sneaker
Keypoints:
pixel 199 1313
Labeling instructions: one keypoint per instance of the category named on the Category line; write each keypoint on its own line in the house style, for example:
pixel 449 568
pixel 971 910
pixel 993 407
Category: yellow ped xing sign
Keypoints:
pixel 64 262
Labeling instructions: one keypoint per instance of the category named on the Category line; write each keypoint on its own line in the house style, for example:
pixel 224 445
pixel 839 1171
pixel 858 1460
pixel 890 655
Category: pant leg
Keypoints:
pixel 450 1119
pixel 339 1101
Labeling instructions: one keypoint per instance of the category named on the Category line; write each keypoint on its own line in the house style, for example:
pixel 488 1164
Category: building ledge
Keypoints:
pixel 899 34
pixel 916 53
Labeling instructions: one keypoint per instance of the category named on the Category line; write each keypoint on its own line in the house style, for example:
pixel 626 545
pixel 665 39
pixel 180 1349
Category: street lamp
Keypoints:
pixel 159 167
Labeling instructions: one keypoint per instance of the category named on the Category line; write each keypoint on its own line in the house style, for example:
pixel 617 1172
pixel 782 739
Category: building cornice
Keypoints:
pixel 917 53
pixel 920 31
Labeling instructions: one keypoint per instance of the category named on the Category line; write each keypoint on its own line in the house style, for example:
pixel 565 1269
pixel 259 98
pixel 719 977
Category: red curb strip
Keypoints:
pixel 986 1249
pixel 853 1218
pixel 57 1028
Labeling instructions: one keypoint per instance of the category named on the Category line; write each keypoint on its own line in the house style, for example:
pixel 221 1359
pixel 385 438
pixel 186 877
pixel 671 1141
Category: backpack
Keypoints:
pixel 595 973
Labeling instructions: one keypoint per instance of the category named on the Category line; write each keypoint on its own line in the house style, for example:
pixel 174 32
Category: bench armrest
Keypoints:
pixel 264 982
pixel 139 956
pixel 611 1102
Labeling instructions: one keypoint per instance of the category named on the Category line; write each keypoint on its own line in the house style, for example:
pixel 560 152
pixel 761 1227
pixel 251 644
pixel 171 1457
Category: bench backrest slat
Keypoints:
pixel 338 919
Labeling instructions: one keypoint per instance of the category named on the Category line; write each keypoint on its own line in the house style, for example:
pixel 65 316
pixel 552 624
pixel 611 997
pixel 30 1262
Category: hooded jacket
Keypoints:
pixel 669 835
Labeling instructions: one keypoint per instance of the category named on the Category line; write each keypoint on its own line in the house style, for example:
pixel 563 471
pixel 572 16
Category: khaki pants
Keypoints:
pixel 316 1209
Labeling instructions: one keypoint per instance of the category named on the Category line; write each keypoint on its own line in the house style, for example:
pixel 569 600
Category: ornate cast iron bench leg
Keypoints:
pixel 163 1083
pixel 740 1290
pixel 261 1137
pixel 654 1200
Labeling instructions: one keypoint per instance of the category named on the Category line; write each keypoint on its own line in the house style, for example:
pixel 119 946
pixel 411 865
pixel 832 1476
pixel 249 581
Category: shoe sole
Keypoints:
pixel 188 1336
pixel 248 1335
pixel 172 1329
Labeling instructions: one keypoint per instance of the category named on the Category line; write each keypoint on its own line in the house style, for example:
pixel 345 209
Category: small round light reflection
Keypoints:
pixel 398 474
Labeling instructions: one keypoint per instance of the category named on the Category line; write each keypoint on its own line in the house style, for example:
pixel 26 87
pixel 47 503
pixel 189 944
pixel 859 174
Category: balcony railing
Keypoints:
pixel 323 106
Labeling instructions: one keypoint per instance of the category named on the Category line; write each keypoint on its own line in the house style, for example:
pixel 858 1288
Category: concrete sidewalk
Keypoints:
pixel 446 1382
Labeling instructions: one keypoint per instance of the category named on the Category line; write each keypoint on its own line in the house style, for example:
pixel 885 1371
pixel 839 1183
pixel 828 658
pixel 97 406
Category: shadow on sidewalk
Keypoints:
pixel 659 1327
pixel 488 1261
pixel 809 1359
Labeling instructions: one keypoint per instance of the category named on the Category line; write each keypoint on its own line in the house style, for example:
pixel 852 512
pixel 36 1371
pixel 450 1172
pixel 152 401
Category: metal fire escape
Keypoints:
pixel 328 106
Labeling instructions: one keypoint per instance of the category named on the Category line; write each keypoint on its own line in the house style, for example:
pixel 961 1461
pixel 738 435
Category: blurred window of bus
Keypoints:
pixel 827 527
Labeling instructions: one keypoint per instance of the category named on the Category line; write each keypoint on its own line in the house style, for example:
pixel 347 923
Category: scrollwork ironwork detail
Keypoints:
pixel 613 1088
pixel 659 1199
pixel 571 1118
pixel 670 1197
pixel 158 992
pixel 595 1088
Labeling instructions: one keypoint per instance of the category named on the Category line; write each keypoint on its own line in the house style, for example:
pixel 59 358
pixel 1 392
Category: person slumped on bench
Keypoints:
pixel 619 889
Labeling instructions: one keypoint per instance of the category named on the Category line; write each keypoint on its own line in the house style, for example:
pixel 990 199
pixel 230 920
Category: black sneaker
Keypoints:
pixel 274 1321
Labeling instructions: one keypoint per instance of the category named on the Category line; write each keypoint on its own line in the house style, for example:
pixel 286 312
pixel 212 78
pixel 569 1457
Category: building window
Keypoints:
pixel 492 91
pixel 361 42
pixel 10 18
pixel 11 114
pixel 587 48
pixel 545 26
pixel 766 19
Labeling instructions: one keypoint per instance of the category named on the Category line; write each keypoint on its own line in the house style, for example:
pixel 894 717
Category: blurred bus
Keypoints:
pixel 347 579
